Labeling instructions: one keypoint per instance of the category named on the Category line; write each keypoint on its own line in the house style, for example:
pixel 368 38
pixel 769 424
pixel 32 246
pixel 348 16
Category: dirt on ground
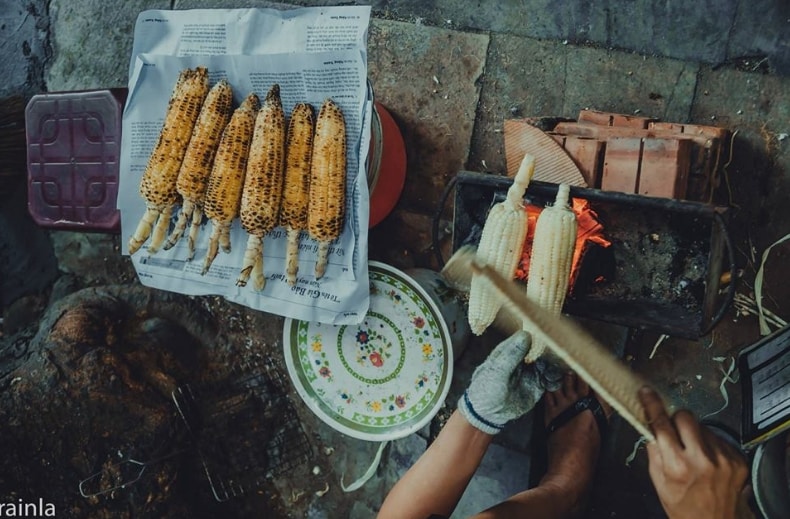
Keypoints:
pixel 89 402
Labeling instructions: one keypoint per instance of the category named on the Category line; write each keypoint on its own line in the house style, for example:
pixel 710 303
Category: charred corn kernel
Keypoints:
pixel 550 260
pixel 500 246
pixel 263 185
pixel 327 204
pixel 158 185
pixel 196 166
pixel 226 181
pixel 298 154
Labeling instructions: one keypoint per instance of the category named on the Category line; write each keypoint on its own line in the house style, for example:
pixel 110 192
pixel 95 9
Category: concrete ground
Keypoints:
pixel 724 63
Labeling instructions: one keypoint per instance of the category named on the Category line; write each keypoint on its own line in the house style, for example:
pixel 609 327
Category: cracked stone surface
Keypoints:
pixel 430 85
pixel 710 31
pixel 92 43
pixel 757 106
pixel 24 46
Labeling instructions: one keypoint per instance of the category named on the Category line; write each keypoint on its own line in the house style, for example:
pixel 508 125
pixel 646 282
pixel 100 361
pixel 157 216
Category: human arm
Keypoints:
pixel 501 389
pixel 435 483
pixel 696 474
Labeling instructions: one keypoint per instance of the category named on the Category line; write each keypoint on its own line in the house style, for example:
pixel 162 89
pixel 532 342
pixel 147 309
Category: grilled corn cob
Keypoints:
pixel 227 176
pixel 501 243
pixel 263 185
pixel 327 203
pixel 293 213
pixel 158 185
pixel 550 261
pixel 196 166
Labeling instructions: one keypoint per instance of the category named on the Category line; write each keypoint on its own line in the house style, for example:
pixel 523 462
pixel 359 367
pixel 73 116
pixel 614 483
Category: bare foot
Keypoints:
pixel 574 447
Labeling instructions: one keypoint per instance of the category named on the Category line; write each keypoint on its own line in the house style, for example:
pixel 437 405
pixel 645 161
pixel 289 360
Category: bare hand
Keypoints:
pixel 696 474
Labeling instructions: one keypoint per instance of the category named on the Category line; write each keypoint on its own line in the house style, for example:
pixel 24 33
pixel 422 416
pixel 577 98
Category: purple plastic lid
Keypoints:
pixel 73 153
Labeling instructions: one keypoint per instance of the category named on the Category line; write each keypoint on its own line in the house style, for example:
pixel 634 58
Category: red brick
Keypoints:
pixel 595 117
pixel 612 119
pixel 606 132
pixel 631 121
pixel 711 132
pixel 664 167
pixel 710 143
pixel 672 127
pixel 587 154
pixel 621 164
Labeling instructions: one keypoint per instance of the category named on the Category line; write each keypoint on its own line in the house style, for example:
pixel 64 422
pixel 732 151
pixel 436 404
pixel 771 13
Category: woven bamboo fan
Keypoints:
pixel 552 162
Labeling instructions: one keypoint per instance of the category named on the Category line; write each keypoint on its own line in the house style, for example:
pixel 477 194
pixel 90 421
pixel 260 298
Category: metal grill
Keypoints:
pixel 245 429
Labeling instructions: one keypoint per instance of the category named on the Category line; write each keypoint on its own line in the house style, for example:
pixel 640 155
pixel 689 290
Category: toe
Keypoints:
pixel 551 399
pixel 582 388
pixel 569 386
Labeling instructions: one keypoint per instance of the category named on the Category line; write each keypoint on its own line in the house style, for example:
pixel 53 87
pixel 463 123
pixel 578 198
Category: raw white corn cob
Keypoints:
pixel 500 246
pixel 327 181
pixel 263 185
pixel 158 184
pixel 293 213
pixel 227 176
pixel 196 166
pixel 550 261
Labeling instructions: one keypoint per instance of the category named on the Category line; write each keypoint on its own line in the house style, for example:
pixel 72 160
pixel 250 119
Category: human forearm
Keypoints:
pixel 438 480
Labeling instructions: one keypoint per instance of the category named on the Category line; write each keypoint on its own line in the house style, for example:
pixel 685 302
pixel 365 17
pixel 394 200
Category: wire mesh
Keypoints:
pixel 245 428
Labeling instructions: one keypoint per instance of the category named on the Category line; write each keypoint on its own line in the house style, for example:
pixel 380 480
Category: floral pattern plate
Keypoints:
pixel 384 378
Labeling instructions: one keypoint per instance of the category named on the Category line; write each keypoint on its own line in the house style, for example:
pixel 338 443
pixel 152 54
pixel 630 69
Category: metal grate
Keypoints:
pixel 245 429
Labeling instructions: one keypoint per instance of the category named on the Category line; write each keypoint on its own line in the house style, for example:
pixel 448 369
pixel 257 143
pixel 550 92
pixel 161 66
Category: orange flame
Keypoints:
pixel 589 230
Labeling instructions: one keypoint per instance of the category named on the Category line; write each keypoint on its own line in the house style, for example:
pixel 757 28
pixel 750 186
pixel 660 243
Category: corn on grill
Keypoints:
pixel 633 223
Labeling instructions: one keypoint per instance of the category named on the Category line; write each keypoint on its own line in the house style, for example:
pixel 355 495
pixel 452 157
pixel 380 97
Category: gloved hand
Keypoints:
pixel 503 387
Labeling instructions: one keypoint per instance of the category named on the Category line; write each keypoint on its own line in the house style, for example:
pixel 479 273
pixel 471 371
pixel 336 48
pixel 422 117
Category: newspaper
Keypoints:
pixel 312 53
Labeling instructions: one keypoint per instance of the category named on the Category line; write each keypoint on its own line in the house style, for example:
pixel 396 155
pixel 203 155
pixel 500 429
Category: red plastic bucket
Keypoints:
pixel 386 165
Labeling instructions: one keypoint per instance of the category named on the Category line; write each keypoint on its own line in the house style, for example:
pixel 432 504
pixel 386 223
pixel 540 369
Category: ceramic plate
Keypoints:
pixel 384 378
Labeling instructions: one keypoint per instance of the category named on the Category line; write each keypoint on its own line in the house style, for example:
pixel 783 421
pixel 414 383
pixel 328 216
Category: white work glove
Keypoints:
pixel 503 388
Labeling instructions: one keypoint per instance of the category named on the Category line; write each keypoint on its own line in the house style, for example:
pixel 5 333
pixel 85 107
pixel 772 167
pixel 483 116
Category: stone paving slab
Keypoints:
pixel 92 43
pixel 349 459
pixel 524 77
pixel 502 473
pixel 629 83
pixel 95 258
pixel 762 29
pixel 758 107
pixel 403 240
pixel 428 78
pixel 685 30
pixel 24 46
pixel 710 31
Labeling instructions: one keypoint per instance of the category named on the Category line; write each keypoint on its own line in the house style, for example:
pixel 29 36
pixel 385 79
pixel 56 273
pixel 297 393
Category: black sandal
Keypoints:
pixel 588 402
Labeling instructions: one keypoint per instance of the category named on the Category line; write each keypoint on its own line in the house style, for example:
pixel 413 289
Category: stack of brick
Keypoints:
pixel 631 154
